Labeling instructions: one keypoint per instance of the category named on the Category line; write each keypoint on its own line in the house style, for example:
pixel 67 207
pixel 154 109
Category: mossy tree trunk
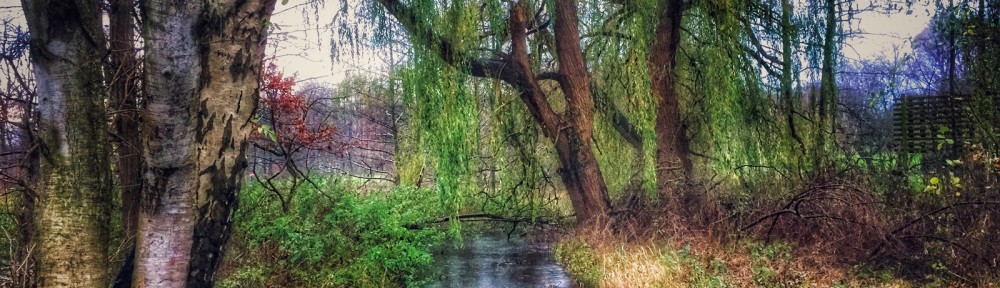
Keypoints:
pixel 202 71
pixel 73 189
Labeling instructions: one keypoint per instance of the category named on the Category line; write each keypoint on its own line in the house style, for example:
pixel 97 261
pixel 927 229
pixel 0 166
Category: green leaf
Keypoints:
pixel 266 130
pixel 949 141
pixel 284 2
pixel 934 181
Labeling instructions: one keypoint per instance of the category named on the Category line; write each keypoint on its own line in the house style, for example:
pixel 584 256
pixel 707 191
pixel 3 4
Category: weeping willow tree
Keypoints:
pixel 617 44
pixel 453 40
pixel 735 94
pixel 623 92
pixel 736 75
pixel 759 46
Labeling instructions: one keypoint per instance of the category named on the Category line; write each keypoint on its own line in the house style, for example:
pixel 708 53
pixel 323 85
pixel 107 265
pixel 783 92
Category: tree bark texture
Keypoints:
pixel 74 182
pixel 203 64
pixel 672 163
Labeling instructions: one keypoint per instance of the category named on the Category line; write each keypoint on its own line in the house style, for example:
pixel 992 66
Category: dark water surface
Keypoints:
pixel 493 261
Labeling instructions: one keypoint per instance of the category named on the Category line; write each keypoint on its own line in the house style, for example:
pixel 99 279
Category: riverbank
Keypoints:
pixel 606 261
pixel 700 260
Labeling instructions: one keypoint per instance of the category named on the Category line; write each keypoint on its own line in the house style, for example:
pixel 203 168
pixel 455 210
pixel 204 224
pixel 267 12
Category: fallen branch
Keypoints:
pixel 482 217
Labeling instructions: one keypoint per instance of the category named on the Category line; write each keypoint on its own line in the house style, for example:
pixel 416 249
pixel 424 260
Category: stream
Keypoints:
pixel 493 261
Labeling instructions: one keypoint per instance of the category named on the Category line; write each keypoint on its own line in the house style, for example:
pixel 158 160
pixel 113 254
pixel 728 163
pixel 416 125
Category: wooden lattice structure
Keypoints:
pixel 917 122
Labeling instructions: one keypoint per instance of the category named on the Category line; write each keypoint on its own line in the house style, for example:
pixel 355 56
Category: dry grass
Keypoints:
pixel 601 260
pixel 696 243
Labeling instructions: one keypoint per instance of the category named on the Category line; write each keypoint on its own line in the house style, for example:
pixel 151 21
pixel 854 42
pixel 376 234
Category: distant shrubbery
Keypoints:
pixel 331 237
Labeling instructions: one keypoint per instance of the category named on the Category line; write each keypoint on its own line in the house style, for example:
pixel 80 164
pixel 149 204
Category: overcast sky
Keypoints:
pixel 302 40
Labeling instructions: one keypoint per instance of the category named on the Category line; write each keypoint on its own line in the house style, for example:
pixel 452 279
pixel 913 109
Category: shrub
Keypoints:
pixel 331 237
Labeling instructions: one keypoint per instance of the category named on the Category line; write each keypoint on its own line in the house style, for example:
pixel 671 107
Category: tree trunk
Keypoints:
pixel 828 83
pixel 74 203
pixel 123 72
pixel 124 97
pixel 203 64
pixel 580 172
pixel 790 103
pixel 672 163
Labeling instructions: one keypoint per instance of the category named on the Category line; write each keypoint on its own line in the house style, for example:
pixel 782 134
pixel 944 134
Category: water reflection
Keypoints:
pixel 493 261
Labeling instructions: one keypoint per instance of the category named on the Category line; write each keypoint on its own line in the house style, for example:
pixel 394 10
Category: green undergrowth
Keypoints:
pixel 332 237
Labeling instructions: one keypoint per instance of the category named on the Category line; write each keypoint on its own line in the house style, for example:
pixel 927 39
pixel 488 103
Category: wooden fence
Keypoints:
pixel 918 120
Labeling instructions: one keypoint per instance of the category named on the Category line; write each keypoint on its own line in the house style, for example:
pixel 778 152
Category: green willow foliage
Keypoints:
pixel 445 116
pixel 616 42
pixel 728 111
pixel 732 113
pixel 729 106
pixel 515 169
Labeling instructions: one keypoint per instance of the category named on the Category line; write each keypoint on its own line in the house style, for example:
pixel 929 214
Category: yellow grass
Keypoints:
pixel 604 261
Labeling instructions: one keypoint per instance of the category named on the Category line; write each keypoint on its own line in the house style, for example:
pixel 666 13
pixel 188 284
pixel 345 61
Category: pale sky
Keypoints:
pixel 881 32
pixel 302 39
pixel 301 42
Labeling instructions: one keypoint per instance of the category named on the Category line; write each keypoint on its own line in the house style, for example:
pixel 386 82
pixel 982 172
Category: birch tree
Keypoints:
pixel 201 81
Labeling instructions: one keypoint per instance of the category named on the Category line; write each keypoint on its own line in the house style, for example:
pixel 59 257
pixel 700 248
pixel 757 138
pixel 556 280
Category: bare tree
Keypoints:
pixel 18 161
